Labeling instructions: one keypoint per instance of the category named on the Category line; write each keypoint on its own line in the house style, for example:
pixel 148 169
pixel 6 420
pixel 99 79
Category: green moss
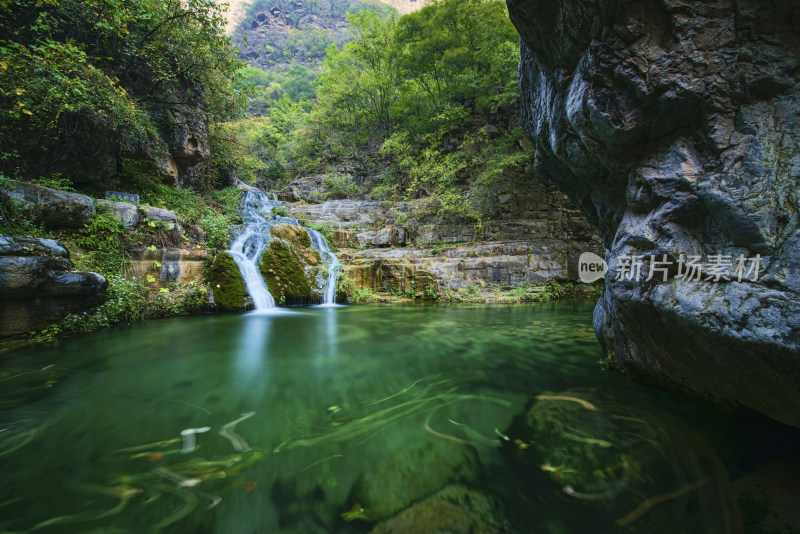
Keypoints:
pixel 230 292
pixel 290 265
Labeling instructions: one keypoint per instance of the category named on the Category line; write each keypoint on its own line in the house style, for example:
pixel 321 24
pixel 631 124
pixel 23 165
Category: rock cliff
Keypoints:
pixel 673 126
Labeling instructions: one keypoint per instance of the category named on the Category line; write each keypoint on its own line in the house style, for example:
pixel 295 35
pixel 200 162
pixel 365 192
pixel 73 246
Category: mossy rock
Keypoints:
pixel 230 291
pixel 290 266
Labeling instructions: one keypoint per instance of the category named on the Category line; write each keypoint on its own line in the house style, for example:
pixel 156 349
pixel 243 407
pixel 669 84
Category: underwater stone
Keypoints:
pixel 455 510
pixel 413 474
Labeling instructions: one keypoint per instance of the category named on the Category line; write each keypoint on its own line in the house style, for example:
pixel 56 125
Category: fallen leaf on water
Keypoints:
pixel 356 512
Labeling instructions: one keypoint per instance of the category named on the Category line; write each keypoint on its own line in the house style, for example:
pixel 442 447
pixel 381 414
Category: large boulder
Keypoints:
pixel 37 285
pixel 673 127
pixel 307 189
pixel 51 207
pixel 128 214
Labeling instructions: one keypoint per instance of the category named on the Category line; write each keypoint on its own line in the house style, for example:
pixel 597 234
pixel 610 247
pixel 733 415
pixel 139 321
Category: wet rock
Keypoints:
pixel 455 509
pixel 50 207
pixel 502 264
pixel 291 266
pixel 411 475
pixel 227 284
pixel 128 214
pixel 671 127
pixel 37 285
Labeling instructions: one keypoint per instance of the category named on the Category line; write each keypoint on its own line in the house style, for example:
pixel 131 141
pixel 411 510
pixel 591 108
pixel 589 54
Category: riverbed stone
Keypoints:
pixel 673 127
pixel 413 474
pixel 51 207
pixel 455 510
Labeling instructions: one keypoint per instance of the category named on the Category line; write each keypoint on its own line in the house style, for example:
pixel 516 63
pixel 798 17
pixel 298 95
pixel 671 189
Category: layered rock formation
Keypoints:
pixel 673 126
pixel 38 285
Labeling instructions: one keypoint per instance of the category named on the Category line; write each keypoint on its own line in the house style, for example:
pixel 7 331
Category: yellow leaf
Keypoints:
pixel 26 112
pixel 19 91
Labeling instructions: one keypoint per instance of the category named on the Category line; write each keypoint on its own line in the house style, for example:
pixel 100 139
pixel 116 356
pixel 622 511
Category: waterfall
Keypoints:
pixel 331 261
pixel 252 241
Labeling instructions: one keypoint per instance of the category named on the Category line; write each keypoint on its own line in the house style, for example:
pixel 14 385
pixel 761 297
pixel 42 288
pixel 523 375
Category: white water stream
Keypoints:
pixel 253 239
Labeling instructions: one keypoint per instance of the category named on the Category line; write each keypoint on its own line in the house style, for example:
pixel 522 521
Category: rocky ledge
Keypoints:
pixel 673 127
pixel 37 285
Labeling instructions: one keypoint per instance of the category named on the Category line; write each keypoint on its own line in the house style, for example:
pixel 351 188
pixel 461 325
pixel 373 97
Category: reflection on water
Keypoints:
pixel 341 419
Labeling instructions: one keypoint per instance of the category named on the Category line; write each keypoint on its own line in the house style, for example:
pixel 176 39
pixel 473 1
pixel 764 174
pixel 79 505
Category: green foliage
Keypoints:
pixel 338 186
pixel 215 213
pixel 126 302
pixel 104 238
pixel 55 181
pixel 180 299
pixel 431 92
pixel 109 69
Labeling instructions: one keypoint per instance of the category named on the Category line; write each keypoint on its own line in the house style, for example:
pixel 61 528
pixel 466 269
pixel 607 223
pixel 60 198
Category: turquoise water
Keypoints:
pixel 306 416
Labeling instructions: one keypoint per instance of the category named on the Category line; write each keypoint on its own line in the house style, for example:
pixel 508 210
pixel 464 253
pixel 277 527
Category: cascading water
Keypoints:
pixel 332 263
pixel 248 246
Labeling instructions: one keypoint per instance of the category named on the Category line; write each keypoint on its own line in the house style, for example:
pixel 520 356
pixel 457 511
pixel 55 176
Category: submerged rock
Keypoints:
pixel 227 284
pixel 673 127
pixel 51 207
pixel 411 475
pixel 37 285
pixel 601 462
pixel 455 510
pixel 291 266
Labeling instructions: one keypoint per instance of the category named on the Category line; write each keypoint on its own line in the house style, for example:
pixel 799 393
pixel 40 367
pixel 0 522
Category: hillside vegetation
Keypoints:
pixel 423 105
pixel 89 85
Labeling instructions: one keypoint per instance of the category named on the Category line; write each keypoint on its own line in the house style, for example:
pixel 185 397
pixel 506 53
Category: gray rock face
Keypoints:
pixel 673 127
pixel 128 214
pixel 37 285
pixel 307 188
pixel 168 218
pixel 348 213
pixel 189 146
pixel 50 207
